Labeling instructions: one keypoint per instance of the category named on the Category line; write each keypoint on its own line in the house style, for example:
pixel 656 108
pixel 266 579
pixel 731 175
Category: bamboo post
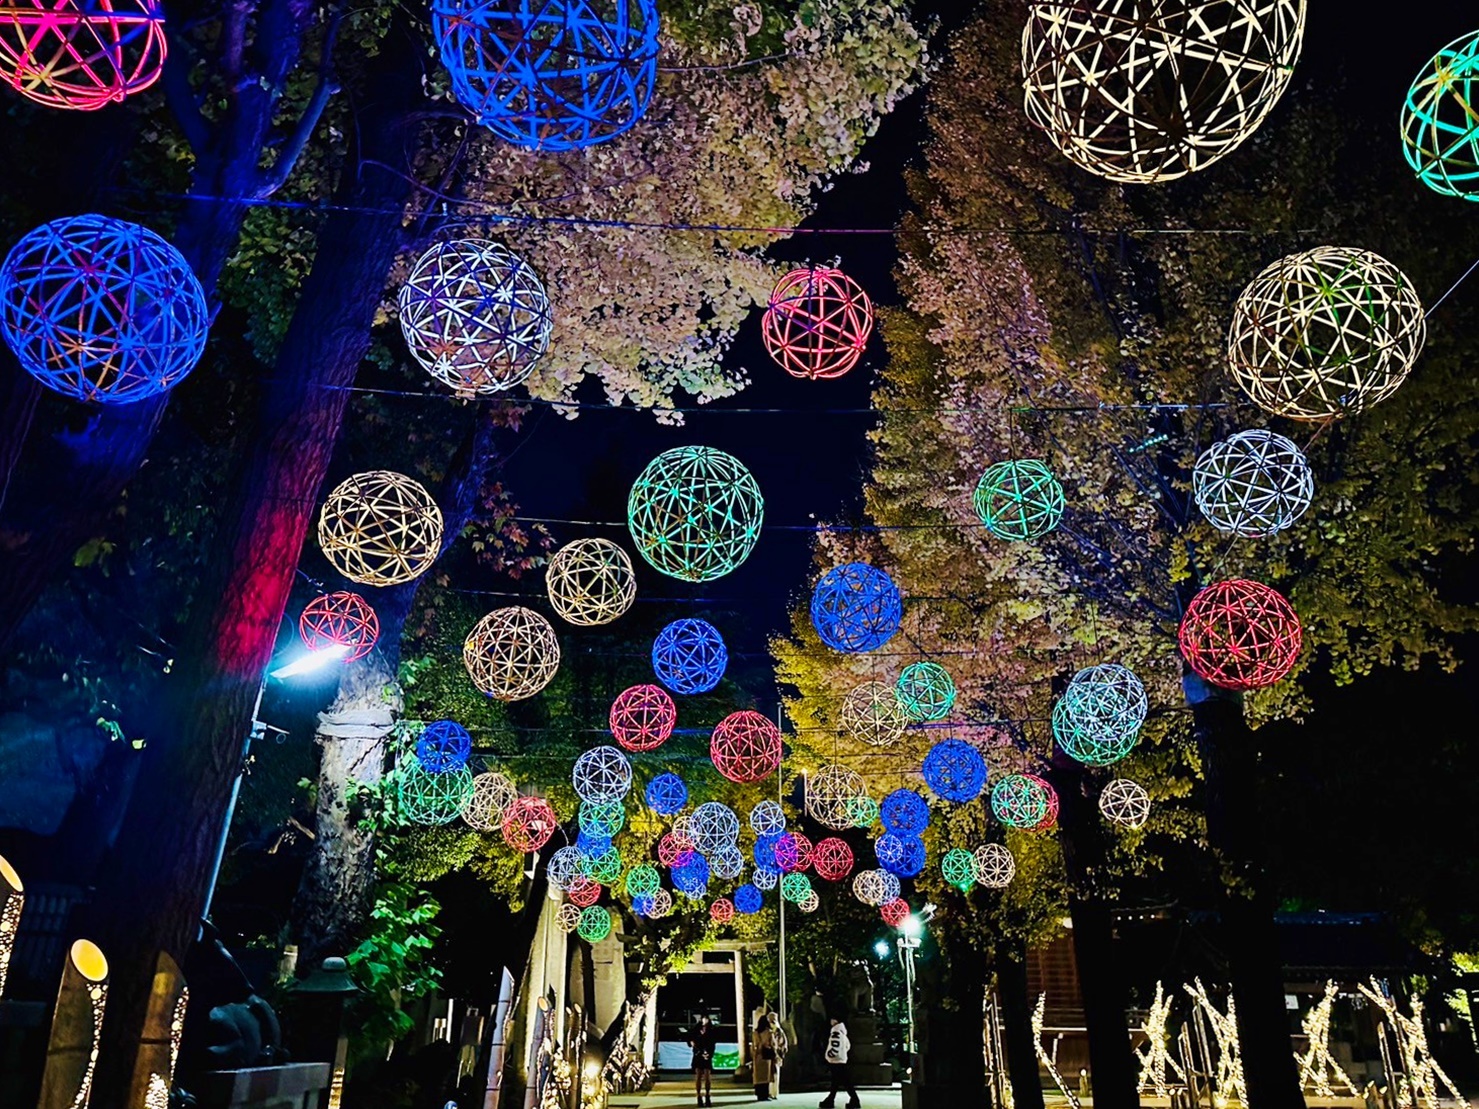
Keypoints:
pixel 76 1023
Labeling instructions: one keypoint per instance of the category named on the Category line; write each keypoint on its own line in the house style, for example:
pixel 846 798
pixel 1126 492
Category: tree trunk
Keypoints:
pixel 1016 1020
pixel 1249 935
pixel 151 899
pixel 952 1046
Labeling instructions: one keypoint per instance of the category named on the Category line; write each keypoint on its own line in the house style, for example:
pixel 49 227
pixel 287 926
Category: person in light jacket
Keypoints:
pixel 838 1045
pixel 763 1055
pixel 782 1045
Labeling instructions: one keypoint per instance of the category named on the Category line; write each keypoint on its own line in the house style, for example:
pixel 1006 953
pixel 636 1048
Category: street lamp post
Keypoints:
pixel 908 945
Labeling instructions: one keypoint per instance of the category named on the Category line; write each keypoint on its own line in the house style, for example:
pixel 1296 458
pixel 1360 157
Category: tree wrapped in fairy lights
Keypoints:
pixel 340 619
pixel 695 513
pixel 1240 634
pixel 101 310
pixel 817 322
pixel 554 75
pixel 81 54
pixel 1440 127
pixel 856 608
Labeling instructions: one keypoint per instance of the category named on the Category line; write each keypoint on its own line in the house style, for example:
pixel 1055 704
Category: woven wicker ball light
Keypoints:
pixel 528 823
pixel 511 653
pixel 829 792
pixel 101 310
pixel 380 528
pixel 442 746
pixel 832 859
pixel 1440 120
pixel 1252 484
pixel 695 513
pixel 958 867
pixel 425 797
pixel 590 582
pixel 643 717
pixel 927 691
pixel 856 608
pixel 793 851
pixel 1142 91
pixel 1325 332
pixel 689 656
pixel 1019 499
pixel 894 912
pixel 674 850
pixel 872 714
pixel 341 619
pixel 567 917
pixel 1240 634
pixel 1098 718
pixel 746 746
pixel 995 866
pixel 1050 815
pixel 662 904
pixel 492 794
pixel 1125 802
pixel 817 323
pixel 601 819
pixel 954 770
pixel 475 315
pixel 81 54
pixel 727 862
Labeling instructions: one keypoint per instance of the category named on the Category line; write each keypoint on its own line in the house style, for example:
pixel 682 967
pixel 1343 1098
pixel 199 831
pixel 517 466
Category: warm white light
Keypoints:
pixel 310 661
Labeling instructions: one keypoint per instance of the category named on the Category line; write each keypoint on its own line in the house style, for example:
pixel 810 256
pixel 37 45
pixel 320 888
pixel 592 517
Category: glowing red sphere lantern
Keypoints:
pixel 528 824
pixel 674 850
pixel 894 912
pixel 584 892
pixel 722 911
pixel 1050 814
pixel 642 717
pixel 817 323
pixel 1240 634
pixel 793 851
pixel 832 859
pixel 340 619
pixel 746 746
pixel 81 54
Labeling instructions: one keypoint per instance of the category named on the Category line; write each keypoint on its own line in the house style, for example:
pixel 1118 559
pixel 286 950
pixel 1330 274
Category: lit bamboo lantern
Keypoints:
pixel 76 1025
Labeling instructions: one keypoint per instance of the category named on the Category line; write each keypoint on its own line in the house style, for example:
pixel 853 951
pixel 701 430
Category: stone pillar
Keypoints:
pixel 741 1017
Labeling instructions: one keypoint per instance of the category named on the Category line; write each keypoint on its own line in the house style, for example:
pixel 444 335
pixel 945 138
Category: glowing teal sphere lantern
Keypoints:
pixel 1098 718
pixel 927 691
pixel 958 867
pixel 695 513
pixel 1440 120
pixel 432 797
pixel 1019 499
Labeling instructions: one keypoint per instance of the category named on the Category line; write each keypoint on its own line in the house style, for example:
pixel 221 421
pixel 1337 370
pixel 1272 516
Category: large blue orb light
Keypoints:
pixel 856 607
pixel 550 75
pixel 692 878
pixel 904 812
pixel 442 746
pixel 666 794
pixel 954 770
pixel 901 855
pixel 689 656
pixel 748 899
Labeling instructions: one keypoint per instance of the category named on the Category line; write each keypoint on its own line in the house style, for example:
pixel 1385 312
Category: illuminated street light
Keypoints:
pixel 883 948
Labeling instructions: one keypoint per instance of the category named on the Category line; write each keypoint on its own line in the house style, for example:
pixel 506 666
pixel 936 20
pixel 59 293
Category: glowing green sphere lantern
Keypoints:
pixel 795 886
pixel 1019 499
pixel 695 513
pixel 1440 120
pixel 927 691
pixel 595 924
pixel 428 797
pixel 1098 718
pixel 1020 801
pixel 643 880
pixel 959 868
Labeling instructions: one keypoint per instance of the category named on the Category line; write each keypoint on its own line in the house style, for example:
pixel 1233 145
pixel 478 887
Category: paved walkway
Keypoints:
pixel 679 1095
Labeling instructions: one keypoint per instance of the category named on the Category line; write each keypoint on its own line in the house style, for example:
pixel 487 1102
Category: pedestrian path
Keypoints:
pixel 679 1095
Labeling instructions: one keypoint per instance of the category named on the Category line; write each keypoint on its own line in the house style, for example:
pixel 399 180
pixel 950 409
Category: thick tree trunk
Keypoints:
pixel 1016 1021
pixel 1249 935
pixel 152 897
pixel 952 1046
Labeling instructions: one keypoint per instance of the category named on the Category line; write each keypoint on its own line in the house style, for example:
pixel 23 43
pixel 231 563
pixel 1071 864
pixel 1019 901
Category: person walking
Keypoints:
pixel 763 1058
pixel 782 1044
pixel 702 1040
pixel 838 1046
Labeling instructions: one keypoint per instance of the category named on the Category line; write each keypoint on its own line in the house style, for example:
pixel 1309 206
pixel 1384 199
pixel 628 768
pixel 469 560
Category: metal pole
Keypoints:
pixel 246 749
pixel 779 790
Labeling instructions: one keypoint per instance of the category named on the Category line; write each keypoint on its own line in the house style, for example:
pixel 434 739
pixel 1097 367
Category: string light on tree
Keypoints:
pixel 1019 499
pixel 666 794
pixel 81 54
pixel 1125 802
pixel 695 513
pixel 491 795
pixel 872 714
pixel 904 813
pixel 528 823
pixel 1440 127
pixel 1325 332
pixel 380 528
pixel 817 322
pixel 1142 91
pixel 1240 635
pixel 954 771
pixel 442 746
pixel 689 656
pixel 746 746
pixel 927 691
pixel 829 792
pixel 511 653
pixel 1098 718
pixel 856 607
pixel 341 619
pixel 832 859
pixel 424 797
pixel 1019 801
pixel 99 309
pixel 958 867
pixel 995 866
pixel 643 717
pixel 1253 484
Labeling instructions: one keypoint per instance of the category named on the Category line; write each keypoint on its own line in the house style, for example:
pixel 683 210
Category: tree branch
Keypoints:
pixel 282 169
pixel 181 97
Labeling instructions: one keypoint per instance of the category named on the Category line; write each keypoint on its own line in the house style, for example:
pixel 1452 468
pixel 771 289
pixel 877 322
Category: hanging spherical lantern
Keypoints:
pixel 746 746
pixel 832 859
pixel 492 793
pixel 692 878
pixel 666 794
pixel 872 714
pixel 1325 332
pixel 442 746
pixel 894 912
pixel 828 793
pixel 748 899
pixel 99 309
pixel 958 867
pixel 380 528
pixel 904 812
pixel 1240 635
pixel 1019 499
pixel 768 819
pixel 954 770
pixel 721 911
pixel 810 903
pixel 926 691
pixel 764 850
pixel 1252 484
pixel 604 867
pixel 874 887
pixel 674 850
pixel 590 582
pixel 567 918
pixel 601 818
pixel 792 851
pixel 695 513
pixel 642 904
pixel 602 774
pixel 81 54
pixel 475 315
pixel 1019 801
pixel 661 906
pixel 906 857
pixel 817 323
pixel 528 823
pixel 713 827
pixel 727 862
pixel 643 879
pixel 1125 802
pixel 856 607
pixel 643 717
pixel 862 811
pixel 340 619
pixel 995 866
pixel 1098 718
pixel 766 877
pixel 595 924
pixel 1050 813
pixel 425 797
pixel 1142 91
pixel 795 886
pixel 584 891
pixel 591 843
pixel 689 656
pixel 512 653
pixel 564 867
pixel 553 76
pixel 1440 127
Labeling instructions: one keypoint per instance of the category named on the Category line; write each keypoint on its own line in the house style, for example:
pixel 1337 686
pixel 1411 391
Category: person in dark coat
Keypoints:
pixel 702 1040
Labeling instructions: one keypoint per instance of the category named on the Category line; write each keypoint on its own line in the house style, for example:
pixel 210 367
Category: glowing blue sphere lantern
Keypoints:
pixel 666 794
pixel 856 607
pixel 904 812
pixel 954 770
pixel 901 855
pixel 748 899
pixel 550 75
pixel 689 656
pixel 443 746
